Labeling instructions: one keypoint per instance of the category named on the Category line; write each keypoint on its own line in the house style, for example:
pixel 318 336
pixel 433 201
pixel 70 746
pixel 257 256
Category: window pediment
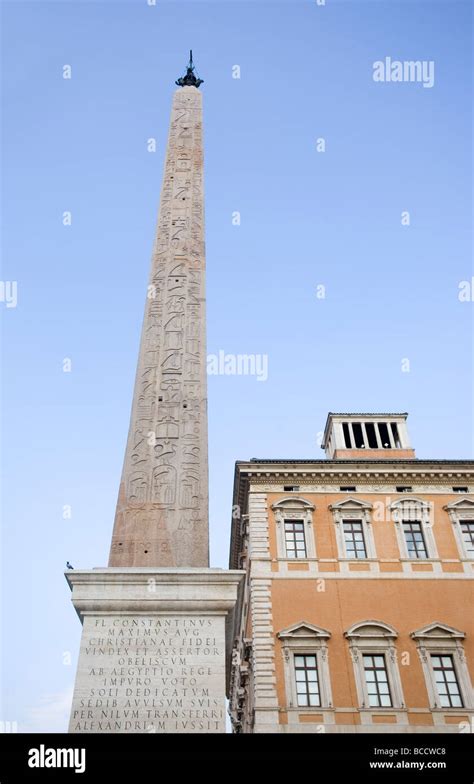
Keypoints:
pixel 370 630
pixel 437 631
pixel 303 631
pixel 463 505
pixel 410 501
pixel 350 503
pixel 293 503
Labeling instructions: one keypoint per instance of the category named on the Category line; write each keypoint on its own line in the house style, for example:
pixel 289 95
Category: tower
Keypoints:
pixel 381 436
pixel 153 646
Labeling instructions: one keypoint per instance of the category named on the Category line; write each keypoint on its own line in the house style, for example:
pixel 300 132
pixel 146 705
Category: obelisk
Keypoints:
pixel 156 621
pixel 162 509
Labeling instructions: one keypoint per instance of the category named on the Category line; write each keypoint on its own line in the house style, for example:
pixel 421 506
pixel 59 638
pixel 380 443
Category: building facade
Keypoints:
pixel 356 610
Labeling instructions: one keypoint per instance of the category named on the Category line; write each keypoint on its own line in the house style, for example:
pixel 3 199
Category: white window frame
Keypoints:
pixel 305 639
pixel 294 508
pixel 440 639
pixel 377 639
pixel 460 511
pixel 415 510
pixel 353 509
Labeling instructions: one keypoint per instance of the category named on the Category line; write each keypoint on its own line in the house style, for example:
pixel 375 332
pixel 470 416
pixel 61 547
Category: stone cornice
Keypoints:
pixel 359 478
pixel 355 470
pixel 258 464
pixel 148 590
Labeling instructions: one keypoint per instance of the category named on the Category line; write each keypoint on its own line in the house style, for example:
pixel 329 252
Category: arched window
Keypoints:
pixel 372 647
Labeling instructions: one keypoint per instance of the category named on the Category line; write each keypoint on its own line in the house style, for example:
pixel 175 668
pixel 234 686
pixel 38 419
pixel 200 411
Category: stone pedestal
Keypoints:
pixel 153 649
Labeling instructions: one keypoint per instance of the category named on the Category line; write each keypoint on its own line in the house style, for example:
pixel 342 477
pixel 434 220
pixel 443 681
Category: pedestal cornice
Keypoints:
pixel 152 589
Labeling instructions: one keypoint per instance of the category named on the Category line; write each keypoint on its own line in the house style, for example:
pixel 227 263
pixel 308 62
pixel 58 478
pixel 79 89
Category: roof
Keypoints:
pixel 368 414
pixel 410 461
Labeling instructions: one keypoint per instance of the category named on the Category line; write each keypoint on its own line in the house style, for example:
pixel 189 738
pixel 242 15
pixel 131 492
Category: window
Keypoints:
pixel 307 683
pixel 447 684
pixel 374 656
pixel 347 489
pixel 347 435
pixel 404 489
pixel 304 649
pixel 294 539
pixel 358 435
pixel 414 520
pixel 444 665
pixel 414 538
pixel 291 488
pixel 467 530
pixel 371 435
pixel 460 489
pixel 294 528
pixel 354 539
pixel 384 436
pixel 353 524
pixel 461 513
pixel 396 437
pixel 376 679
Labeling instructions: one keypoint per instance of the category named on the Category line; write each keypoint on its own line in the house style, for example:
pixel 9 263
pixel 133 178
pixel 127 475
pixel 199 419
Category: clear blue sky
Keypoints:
pixel 307 219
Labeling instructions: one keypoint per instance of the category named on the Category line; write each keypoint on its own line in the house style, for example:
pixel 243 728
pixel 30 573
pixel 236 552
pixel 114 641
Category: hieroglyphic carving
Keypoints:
pixel 162 512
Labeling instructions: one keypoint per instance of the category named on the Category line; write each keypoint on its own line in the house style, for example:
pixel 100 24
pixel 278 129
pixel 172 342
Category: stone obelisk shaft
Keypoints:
pixel 162 509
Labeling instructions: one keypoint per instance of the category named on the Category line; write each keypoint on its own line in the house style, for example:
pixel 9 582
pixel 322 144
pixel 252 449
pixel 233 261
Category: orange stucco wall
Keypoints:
pixel 403 603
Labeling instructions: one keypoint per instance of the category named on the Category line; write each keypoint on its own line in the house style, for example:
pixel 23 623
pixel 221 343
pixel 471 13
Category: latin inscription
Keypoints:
pixel 150 674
